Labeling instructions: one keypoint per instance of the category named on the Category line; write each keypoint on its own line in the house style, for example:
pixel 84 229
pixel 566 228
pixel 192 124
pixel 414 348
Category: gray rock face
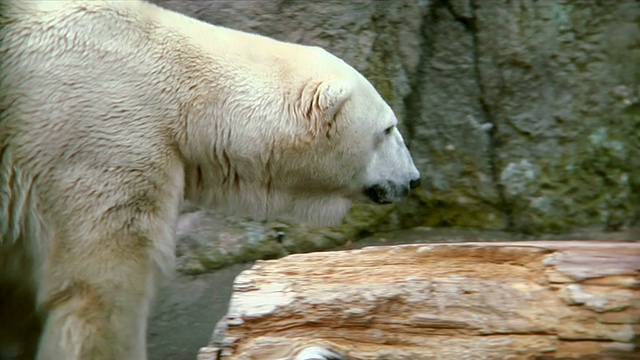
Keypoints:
pixel 521 115
pixel 558 80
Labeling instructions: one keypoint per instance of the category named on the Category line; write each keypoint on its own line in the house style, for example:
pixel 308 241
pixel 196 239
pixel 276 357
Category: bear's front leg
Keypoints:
pixel 97 297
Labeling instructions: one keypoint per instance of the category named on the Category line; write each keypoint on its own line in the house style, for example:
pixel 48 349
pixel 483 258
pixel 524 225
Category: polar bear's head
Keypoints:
pixel 357 149
pixel 307 140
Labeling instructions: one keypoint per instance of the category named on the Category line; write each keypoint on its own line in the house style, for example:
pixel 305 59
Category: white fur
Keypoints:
pixel 318 353
pixel 113 112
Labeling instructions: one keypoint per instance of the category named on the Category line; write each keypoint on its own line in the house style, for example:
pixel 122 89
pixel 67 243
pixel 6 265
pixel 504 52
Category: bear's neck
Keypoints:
pixel 209 65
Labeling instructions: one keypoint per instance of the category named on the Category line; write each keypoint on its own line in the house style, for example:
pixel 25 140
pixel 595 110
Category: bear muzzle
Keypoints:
pixel 390 192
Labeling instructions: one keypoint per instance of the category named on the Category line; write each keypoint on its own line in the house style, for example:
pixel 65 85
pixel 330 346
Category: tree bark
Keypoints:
pixel 515 300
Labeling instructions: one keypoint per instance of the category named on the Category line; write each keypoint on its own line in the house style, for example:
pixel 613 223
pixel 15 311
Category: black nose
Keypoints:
pixel 415 183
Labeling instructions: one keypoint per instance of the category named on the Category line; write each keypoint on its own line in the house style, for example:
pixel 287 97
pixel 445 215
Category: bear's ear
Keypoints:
pixel 320 101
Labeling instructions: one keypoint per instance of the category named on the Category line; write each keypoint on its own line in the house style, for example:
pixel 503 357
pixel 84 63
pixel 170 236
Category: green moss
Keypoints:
pixel 192 267
pixel 268 249
pixel 448 211
pixel 213 260
pixel 596 183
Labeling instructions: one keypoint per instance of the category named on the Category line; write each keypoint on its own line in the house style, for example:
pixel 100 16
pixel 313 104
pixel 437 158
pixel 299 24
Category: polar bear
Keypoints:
pixel 114 112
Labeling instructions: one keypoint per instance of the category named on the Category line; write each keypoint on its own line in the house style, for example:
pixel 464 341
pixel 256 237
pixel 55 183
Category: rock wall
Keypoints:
pixel 522 115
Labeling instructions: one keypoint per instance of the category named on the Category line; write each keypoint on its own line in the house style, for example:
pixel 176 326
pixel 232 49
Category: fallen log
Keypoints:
pixel 517 300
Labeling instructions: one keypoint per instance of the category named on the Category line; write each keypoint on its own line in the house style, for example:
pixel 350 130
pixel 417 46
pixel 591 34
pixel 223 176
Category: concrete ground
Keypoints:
pixel 186 312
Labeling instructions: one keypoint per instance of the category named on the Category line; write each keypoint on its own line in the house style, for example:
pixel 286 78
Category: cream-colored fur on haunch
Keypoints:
pixel 112 113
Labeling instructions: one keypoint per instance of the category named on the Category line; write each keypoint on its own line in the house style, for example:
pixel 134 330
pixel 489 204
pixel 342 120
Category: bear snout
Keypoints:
pixel 389 192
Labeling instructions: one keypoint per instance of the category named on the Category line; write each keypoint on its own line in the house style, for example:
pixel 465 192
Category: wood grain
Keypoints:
pixel 510 300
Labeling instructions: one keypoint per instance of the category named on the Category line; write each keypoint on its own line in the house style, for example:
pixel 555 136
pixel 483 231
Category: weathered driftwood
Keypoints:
pixel 520 300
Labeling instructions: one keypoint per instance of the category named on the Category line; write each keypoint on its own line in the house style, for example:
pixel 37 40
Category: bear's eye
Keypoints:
pixel 388 130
